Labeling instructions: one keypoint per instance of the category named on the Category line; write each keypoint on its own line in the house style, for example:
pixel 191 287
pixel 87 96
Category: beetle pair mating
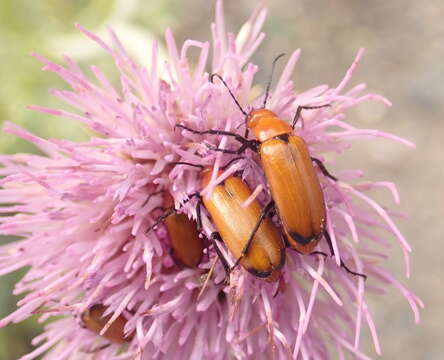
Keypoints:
pixel 296 194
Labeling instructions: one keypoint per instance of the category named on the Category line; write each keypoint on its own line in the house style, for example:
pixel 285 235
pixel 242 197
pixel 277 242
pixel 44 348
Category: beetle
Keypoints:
pixel 186 245
pixel 250 236
pixel 94 321
pixel 291 176
pixel 292 179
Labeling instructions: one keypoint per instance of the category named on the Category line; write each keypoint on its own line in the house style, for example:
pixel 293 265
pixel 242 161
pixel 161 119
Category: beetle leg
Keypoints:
pixel 216 236
pixel 226 151
pixel 263 214
pixel 213 237
pixel 151 195
pixel 353 272
pixel 324 169
pixel 231 161
pixel 248 144
pixel 198 214
pixel 299 110
pixel 239 138
pixel 168 213
pixel 319 253
pixel 160 219
pixel 330 245
pixel 280 286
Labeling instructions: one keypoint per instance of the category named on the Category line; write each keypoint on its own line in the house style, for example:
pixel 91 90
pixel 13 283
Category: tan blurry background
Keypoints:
pixel 404 55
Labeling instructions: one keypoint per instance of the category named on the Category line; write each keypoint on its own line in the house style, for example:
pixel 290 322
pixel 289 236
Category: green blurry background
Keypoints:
pixel 403 61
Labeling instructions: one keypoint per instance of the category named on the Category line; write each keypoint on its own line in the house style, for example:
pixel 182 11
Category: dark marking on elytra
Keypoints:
pixel 260 274
pixel 284 138
pixel 300 239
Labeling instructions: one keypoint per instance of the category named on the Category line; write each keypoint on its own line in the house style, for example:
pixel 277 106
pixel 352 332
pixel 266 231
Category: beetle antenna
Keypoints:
pixel 232 95
pixel 171 212
pixel 267 91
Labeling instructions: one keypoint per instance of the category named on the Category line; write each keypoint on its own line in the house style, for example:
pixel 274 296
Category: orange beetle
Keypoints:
pixel 292 179
pixel 94 321
pixel 251 237
pixel 187 246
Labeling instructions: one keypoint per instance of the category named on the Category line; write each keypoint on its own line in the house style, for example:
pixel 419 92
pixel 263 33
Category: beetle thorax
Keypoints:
pixel 266 125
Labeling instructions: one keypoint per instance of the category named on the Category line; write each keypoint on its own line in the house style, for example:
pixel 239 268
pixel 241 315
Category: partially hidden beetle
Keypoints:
pixel 94 321
pixel 288 167
pixel 187 247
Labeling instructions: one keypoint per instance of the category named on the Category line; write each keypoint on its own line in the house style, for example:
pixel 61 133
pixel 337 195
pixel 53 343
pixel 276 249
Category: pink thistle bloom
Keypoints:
pixel 82 209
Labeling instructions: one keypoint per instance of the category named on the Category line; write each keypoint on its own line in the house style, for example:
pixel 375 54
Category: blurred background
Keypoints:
pixel 404 55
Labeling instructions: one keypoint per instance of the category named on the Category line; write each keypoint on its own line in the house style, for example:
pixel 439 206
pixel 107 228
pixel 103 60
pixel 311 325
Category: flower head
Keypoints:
pixel 82 210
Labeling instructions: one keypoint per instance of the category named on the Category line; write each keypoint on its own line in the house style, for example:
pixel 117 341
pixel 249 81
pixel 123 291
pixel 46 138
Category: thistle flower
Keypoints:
pixel 82 209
